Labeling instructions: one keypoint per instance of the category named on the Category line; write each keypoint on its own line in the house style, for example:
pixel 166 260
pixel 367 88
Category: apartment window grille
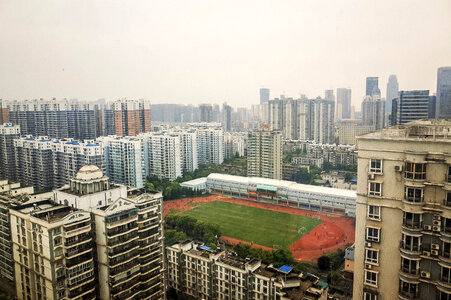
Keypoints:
pixel 373 234
pixel 374 212
pixel 448 199
pixel 371 277
pixel 411 243
pixel 412 194
pixel 407 289
pixel 409 266
pixel 375 188
pixel 444 295
pixel 445 275
pixel 448 177
pixel 372 256
pixel 412 220
pixel 376 166
pixel 446 250
pixel 416 171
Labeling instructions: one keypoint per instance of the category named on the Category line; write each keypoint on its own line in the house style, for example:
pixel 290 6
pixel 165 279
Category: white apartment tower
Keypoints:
pixel 164 156
pixel 403 213
pixel 124 160
pixel 210 143
pixel 264 154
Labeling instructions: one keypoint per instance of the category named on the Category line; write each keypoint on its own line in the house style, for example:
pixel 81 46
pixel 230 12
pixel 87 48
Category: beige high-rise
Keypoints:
pixel 403 213
pixel 264 154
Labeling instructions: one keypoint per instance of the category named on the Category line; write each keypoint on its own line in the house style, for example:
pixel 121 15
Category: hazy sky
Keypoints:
pixel 214 51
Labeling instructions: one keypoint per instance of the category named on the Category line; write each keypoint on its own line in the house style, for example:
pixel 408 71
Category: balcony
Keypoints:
pixel 410 273
pixel 125 286
pixel 118 250
pixel 123 258
pixel 122 239
pixel 412 224
pixel 71 262
pixel 78 250
pixel 405 295
pixel 124 267
pixel 82 291
pixel 81 238
pixel 121 229
pixel 412 249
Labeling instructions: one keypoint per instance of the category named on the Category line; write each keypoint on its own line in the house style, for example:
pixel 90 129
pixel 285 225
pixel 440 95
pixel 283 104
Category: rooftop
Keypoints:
pixel 420 130
pixel 89 172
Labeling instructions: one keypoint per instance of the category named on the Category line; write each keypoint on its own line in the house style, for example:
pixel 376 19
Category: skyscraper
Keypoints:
pixel 264 95
pixel 131 117
pixel 410 106
pixel 372 86
pixel 8 132
pixel 227 117
pixel 264 154
pixel 392 92
pixel 402 245
pixel 343 103
pixel 206 113
pixel 443 100
pixel 373 111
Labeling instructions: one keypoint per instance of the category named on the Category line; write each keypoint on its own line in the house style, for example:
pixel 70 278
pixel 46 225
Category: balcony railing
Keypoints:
pixel 409 247
pixel 78 260
pixel 412 224
pixel 410 271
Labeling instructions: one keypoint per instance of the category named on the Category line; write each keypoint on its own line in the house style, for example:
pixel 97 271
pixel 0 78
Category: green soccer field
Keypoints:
pixel 265 227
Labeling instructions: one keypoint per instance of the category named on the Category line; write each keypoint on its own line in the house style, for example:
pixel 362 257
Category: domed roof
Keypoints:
pixel 89 172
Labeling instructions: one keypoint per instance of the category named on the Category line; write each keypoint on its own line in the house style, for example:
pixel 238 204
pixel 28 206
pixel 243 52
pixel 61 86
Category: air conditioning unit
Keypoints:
pixel 398 168
pixel 437 222
pixel 434 252
pixel 371 176
pixel 426 253
pixel 435 228
pixel 368 266
pixel 427 227
pixel 368 245
pixel 425 274
pixel 435 246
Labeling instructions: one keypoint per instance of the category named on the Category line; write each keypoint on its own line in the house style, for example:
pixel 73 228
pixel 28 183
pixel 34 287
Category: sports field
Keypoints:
pixel 261 226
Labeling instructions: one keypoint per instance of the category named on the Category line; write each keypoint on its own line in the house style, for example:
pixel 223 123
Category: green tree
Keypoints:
pixel 302 176
pixel 324 263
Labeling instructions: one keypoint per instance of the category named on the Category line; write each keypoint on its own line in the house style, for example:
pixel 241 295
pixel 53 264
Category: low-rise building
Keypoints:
pixel 201 272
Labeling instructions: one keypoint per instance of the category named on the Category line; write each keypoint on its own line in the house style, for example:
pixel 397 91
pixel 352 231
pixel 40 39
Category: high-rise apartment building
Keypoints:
pixel 95 240
pixel 210 146
pixel 392 92
pixel 443 101
pixel 8 132
pixel 3 112
pixel 372 86
pixel 47 164
pixel 128 234
pixel 56 118
pixel 303 119
pixel 188 149
pixel 34 162
pixel 124 160
pixel 373 111
pixel 264 95
pixel 131 117
pixel 203 273
pixel 348 130
pixel 264 154
pixel 227 117
pixel 206 113
pixel 12 195
pixel 164 155
pixel 403 221
pixel 410 106
pixel 343 103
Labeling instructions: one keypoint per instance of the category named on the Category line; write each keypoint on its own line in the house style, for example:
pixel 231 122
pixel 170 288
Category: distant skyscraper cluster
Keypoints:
pixel 443 100
pixel 264 95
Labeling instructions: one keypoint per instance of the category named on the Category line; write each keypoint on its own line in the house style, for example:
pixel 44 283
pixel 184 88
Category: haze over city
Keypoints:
pixel 192 52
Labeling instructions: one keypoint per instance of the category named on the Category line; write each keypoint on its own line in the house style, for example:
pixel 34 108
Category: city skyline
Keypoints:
pixel 197 53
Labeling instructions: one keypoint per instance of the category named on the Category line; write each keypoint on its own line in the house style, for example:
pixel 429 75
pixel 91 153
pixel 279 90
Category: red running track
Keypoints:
pixel 333 233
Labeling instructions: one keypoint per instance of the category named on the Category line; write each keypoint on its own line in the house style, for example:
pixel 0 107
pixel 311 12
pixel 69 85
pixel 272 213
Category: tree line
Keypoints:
pixel 206 231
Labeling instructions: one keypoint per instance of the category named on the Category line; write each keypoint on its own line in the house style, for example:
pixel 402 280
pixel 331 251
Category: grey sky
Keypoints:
pixel 213 51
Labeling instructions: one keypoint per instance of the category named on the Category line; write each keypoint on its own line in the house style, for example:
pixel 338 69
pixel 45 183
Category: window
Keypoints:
pixel 412 194
pixel 444 295
pixel 448 178
pixel 369 296
pixel 375 189
pixel 446 275
pixel 412 220
pixel 376 165
pixel 411 243
pixel 371 256
pixel 448 199
pixel 374 212
pixel 446 250
pixel 407 289
pixel 372 234
pixel 416 171
pixel 370 277
pixel 409 266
